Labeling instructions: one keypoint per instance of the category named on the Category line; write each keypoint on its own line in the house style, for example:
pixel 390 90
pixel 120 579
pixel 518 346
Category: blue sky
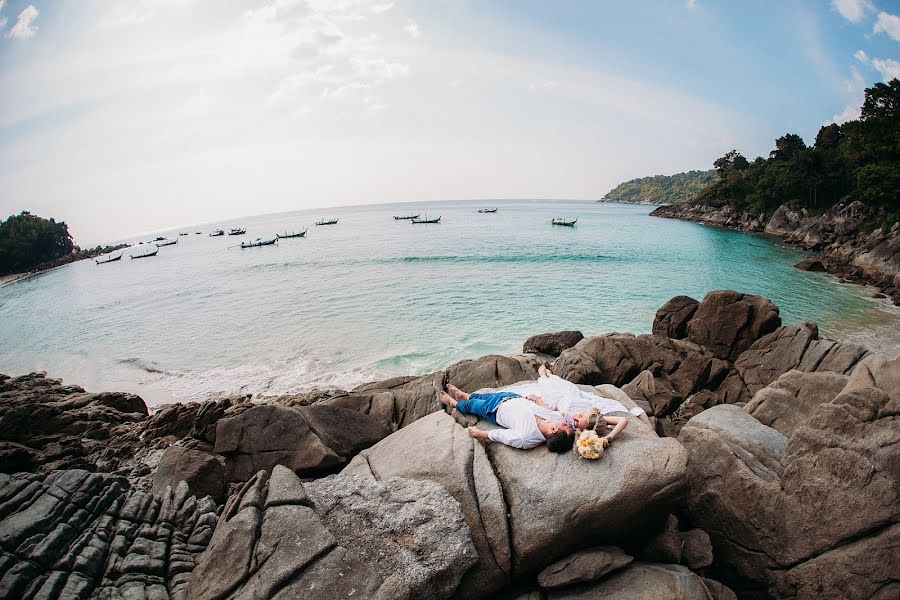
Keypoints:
pixel 122 117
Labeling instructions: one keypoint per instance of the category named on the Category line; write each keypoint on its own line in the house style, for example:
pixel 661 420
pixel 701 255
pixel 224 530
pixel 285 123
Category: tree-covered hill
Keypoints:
pixel 27 241
pixel 662 189
pixel 859 159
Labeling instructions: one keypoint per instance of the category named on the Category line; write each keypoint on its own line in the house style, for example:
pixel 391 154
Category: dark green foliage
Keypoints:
pixel 27 241
pixel 663 189
pixel 860 159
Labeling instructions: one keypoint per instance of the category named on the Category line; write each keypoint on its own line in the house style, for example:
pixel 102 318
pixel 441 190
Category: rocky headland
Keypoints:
pixel 766 466
pixel 843 240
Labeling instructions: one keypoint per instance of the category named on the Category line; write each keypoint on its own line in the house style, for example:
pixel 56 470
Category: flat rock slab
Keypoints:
pixel 75 534
pixel 586 565
pixel 337 537
pixel 643 581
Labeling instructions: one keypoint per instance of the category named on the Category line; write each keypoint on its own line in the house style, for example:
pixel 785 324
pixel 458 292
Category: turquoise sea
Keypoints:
pixel 372 297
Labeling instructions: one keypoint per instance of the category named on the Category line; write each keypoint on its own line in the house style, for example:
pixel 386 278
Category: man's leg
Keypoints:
pixel 457 393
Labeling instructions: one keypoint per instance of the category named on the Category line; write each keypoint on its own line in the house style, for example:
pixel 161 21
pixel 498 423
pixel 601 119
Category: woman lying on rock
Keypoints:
pixel 526 424
pixel 576 405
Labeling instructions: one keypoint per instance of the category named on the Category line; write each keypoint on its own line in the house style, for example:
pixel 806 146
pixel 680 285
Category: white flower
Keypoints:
pixel 589 445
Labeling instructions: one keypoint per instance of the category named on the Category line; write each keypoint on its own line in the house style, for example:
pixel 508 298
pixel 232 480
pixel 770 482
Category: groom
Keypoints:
pixel 525 423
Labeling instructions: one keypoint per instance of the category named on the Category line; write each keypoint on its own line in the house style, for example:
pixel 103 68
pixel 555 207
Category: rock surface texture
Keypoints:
pixel 520 518
pixel 75 534
pixel 552 344
pixel 338 537
pixel 794 515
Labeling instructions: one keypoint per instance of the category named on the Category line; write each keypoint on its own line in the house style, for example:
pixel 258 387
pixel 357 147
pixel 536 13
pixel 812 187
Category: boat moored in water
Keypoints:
pixel 561 221
pixel 487 210
pixel 180 233
pixel 425 220
pixel 396 218
pixel 145 254
pixel 259 242
pixel 109 259
pixel 237 231
pixel 293 234
pixel 217 233
pixel 327 222
pixel 166 242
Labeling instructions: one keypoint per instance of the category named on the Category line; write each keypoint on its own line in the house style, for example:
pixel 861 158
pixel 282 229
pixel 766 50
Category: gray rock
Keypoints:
pixel 792 398
pixel 696 549
pixel 586 565
pixel 515 535
pixel 552 344
pixel 665 547
pixel 201 471
pixel 728 323
pixel 672 317
pixel 642 581
pixel 74 534
pixel 333 538
pixel 313 440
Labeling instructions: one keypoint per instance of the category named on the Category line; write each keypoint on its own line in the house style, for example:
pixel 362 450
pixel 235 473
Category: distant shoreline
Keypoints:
pixel 61 262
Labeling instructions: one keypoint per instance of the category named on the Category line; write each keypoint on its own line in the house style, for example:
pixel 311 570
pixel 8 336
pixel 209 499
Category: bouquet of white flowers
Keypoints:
pixel 589 445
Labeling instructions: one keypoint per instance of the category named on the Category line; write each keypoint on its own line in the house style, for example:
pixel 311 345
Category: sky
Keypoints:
pixel 129 116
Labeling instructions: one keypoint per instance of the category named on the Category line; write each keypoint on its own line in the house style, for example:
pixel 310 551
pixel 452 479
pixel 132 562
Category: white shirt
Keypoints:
pixel 517 415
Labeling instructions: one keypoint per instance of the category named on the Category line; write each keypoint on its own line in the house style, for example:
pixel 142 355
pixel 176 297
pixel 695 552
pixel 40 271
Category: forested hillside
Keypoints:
pixel 662 189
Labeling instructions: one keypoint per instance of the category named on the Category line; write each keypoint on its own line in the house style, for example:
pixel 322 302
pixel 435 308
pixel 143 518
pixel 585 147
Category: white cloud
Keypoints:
pixel 855 88
pixel 25 27
pixel 2 19
pixel 861 56
pixel 692 3
pixel 888 68
pixel 380 8
pixel 888 24
pixel 412 28
pixel 853 10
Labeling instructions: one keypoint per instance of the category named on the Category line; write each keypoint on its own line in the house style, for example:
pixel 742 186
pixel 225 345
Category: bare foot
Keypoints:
pixel 457 393
pixel 543 371
pixel 446 399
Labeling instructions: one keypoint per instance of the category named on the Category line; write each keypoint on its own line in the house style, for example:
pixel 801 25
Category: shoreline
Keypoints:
pixel 61 262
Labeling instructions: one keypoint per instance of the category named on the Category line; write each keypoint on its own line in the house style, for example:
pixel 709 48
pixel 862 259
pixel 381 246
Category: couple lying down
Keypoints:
pixel 548 410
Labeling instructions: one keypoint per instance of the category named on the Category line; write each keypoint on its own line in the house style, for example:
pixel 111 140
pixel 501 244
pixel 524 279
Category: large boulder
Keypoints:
pixel 795 515
pixel 201 471
pixel 552 344
pixel 672 318
pixel 795 346
pixel 728 322
pixel 337 537
pixel 310 440
pixel 792 398
pixel 585 565
pixel 75 534
pixel 522 518
pixel 646 581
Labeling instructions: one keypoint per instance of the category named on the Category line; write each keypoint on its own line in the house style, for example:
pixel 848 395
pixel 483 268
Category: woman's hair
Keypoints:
pixel 595 420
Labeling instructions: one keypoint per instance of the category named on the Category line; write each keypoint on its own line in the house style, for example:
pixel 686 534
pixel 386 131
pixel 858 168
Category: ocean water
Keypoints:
pixel 373 297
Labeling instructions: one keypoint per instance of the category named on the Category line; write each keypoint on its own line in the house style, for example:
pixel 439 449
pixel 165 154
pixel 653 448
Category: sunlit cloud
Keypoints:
pixel 855 88
pixel 888 68
pixel 853 10
pixel 24 27
pixel 888 24
pixel 412 28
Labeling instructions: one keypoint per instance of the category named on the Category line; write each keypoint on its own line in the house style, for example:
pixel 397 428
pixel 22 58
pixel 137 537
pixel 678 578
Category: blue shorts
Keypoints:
pixel 484 405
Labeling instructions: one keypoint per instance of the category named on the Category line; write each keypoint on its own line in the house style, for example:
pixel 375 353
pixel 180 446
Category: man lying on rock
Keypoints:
pixel 526 424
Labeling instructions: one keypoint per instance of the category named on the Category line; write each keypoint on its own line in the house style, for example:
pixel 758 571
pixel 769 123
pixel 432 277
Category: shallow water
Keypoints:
pixel 373 297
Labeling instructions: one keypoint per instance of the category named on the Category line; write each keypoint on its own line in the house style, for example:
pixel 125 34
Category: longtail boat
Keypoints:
pixel 108 259
pixel 259 242
pixel 419 221
pixel 487 210
pixel 145 254
pixel 561 221
pixel 327 222
pixel 166 243
pixel 293 234
pixel 237 231
pixel 396 218
pixel 217 233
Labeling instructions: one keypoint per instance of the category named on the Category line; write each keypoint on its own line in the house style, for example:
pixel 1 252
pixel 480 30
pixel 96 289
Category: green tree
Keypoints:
pixel 27 241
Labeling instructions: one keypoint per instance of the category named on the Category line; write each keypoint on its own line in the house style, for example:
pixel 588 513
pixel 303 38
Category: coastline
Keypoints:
pixel 61 262
pixel 834 239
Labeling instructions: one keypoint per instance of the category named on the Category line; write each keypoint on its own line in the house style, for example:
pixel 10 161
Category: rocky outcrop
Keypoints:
pixel 75 534
pixel 647 581
pixel 838 235
pixel 792 398
pixel 789 347
pixel 309 440
pixel 586 565
pixel 728 322
pixel 552 344
pixel 201 471
pixel 45 425
pixel 337 537
pixel 397 402
pixel 794 515
pixel 516 536
pixel 672 317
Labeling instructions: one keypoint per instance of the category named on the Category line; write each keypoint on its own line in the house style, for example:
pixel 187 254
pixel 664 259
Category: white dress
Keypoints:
pixel 566 397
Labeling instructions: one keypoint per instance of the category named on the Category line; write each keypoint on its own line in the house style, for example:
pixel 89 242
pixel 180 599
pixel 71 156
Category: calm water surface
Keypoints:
pixel 372 297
